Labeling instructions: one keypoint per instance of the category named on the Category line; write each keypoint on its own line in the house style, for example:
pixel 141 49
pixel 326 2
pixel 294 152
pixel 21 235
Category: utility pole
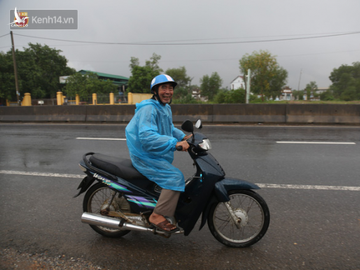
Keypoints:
pixel 248 86
pixel 15 69
pixel 299 80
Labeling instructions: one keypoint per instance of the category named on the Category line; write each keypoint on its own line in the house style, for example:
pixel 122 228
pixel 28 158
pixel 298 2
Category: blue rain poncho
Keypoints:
pixel 151 138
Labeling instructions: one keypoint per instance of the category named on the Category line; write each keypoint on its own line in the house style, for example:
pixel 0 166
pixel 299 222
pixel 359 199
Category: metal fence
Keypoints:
pixel 71 100
pixel 100 99
pixel 43 101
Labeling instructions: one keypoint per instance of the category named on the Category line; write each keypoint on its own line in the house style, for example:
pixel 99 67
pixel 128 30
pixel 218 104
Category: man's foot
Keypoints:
pixel 161 223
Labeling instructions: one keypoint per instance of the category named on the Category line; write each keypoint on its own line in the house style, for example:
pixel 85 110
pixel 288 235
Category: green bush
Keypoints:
pixel 232 96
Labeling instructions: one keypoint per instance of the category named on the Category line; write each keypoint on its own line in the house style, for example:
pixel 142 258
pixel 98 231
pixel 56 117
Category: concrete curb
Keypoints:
pixel 209 113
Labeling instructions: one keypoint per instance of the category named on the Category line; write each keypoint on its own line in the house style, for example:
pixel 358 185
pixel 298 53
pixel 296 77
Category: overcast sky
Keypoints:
pixel 291 30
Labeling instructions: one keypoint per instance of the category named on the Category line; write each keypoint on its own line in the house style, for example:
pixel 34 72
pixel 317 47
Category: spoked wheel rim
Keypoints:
pixel 98 201
pixel 248 223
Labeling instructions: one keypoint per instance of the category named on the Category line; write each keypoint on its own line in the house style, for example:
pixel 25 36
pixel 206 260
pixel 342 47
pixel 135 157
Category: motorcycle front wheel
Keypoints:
pixel 242 221
pixel 96 199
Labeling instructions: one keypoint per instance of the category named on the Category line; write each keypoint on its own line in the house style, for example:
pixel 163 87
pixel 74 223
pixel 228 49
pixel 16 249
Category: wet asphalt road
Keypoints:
pixel 309 228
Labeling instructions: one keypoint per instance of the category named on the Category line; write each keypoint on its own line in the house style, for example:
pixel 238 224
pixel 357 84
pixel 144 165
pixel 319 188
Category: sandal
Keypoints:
pixel 165 226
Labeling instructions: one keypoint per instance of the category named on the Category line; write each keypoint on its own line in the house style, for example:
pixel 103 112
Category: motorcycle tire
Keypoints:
pixel 95 198
pixel 249 224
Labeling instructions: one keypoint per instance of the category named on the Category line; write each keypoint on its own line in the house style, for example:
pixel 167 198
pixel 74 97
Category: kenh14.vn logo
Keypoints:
pixel 21 19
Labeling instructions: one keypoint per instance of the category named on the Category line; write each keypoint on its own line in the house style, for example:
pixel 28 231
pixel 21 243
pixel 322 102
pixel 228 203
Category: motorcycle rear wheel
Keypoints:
pixel 94 200
pixel 252 219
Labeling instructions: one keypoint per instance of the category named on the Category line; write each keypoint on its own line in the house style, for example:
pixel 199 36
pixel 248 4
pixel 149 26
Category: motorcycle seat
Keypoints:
pixel 117 166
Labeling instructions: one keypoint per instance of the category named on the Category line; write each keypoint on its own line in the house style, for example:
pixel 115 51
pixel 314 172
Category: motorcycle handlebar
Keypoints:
pixel 179 148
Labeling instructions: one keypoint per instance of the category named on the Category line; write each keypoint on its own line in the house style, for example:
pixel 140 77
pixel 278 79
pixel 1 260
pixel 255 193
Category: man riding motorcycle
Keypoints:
pixel 152 139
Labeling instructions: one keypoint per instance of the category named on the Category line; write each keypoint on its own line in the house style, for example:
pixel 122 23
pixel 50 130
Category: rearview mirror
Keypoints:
pixel 198 124
pixel 187 126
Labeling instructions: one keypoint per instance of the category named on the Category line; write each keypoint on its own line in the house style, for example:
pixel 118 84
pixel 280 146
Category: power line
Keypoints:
pixel 169 43
pixel 3 35
pixel 207 60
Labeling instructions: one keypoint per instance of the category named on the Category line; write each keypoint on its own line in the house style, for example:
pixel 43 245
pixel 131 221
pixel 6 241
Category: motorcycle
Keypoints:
pixel 122 199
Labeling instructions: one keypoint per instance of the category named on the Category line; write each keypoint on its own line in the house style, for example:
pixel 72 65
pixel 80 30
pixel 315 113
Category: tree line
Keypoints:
pixel 345 83
pixel 267 78
pixel 39 69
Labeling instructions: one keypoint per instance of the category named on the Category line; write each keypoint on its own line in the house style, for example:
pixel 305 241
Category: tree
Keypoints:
pixel 141 76
pixel 298 94
pixel 39 68
pixel 327 96
pixel 7 78
pixel 153 63
pixel 210 85
pixel 182 96
pixel 85 85
pixel 310 89
pixel 278 82
pixel 346 82
pixel 267 77
pixel 182 92
pixel 179 75
pixel 134 62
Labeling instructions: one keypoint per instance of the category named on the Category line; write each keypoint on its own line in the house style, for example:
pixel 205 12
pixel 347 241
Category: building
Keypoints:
pixel 195 93
pixel 120 81
pixel 286 93
pixel 321 90
pixel 237 83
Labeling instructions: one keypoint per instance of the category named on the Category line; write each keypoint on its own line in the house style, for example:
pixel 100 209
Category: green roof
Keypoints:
pixel 100 74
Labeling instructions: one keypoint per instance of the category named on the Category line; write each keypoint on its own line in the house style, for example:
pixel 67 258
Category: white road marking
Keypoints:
pixel 101 139
pixel 44 174
pixel 300 142
pixel 284 142
pixel 274 186
pixel 313 187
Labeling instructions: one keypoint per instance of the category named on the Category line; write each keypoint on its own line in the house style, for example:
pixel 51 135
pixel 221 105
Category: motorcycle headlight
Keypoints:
pixel 205 144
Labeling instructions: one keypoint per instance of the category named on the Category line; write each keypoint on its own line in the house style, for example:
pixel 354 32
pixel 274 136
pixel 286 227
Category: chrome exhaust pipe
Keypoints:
pixel 99 220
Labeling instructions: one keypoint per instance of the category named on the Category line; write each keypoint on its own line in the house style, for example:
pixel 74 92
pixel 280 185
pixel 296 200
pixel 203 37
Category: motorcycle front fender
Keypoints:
pixel 222 187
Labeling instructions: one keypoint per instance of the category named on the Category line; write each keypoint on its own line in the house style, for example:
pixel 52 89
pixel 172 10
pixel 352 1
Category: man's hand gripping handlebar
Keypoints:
pixel 183 145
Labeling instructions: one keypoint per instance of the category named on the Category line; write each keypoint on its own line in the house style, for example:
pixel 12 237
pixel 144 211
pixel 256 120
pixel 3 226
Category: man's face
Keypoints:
pixel 166 92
